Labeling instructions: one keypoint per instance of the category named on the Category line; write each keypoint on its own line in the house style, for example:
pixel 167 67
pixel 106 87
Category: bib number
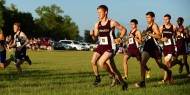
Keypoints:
pixel 182 35
pixel 147 38
pixel 103 41
pixel 131 41
pixel 168 42
pixel 18 44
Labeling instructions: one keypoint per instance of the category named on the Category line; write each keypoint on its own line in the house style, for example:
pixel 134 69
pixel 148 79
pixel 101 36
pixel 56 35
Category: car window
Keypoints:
pixel 66 42
pixel 62 43
pixel 75 42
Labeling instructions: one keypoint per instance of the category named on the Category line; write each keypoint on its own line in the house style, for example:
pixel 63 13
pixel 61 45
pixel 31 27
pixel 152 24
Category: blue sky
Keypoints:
pixel 84 12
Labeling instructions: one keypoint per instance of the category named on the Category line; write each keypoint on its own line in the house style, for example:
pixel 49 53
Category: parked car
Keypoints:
pixel 58 46
pixel 74 44
pixel 67 47
pixel 93 46
pixel 87 45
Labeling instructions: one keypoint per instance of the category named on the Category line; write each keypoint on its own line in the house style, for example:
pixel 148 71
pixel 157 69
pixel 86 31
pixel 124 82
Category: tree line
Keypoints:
pixel 50 22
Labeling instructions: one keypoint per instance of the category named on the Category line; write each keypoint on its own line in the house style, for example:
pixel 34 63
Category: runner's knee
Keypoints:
pixel 93 62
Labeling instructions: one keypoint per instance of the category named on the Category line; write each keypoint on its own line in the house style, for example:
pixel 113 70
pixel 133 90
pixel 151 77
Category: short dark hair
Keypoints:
pixel 180 18
pixel 104 7
pixel 167 15
pixel 17 24
pixel 151 14
pixel 134 21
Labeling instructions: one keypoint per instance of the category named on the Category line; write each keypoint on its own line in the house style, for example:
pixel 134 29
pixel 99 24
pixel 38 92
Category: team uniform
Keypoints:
pixel 106 39
pixel 133 47
pixel 19 42
pixel 181 43
pixel 151 45
pixel 169 48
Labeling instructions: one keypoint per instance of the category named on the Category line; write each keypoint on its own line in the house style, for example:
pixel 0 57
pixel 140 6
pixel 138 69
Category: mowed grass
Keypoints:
pixel 70 73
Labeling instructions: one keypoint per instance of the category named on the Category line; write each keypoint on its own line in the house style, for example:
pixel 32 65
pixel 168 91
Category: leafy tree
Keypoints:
pixel 87 37
pixel 2 2
pixel 52 24
pixel 12 15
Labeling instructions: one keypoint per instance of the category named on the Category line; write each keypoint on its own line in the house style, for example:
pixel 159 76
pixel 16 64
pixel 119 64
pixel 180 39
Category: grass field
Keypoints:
pixel 70 73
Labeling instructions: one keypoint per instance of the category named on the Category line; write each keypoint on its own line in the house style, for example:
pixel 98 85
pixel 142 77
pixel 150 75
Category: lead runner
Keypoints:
pixel 103 30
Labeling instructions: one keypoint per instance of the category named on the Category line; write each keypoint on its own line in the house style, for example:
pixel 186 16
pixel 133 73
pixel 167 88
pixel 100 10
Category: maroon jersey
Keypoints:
pixel 168 33
pixel 133 47
pixel 106 38
pixel 182 35
pixel 151 45
pixel 182 47
pixel 169 46
pixel 133 44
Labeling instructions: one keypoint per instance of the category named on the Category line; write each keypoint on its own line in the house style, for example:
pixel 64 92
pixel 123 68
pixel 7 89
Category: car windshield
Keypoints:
pixel 66 42
pixel 75 42
pixel 63 43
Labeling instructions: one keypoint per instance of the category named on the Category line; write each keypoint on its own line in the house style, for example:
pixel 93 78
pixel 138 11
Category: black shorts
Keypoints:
pixel 20 54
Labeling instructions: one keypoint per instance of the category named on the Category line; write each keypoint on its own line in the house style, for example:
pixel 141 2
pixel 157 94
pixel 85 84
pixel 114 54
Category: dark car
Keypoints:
pixel 58 46
pixel 67 47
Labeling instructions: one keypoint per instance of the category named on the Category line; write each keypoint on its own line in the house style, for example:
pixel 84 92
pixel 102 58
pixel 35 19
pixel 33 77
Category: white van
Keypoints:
pixel 74 44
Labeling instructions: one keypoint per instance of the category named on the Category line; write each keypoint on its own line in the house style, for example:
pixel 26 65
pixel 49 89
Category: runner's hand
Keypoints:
pixel 91 32
pixel 145 32
pixel 117 41
pixel 165 39
pixel 143 39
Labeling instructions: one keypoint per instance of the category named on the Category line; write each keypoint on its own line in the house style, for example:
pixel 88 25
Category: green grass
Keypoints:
pixel 70 73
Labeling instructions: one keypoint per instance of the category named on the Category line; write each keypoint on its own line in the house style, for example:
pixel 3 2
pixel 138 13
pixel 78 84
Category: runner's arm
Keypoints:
pixel 14 42
pixel 119 27
pixel 175 30
pixel 139 40
pixel 156 31
pixel 1 35
pixel 23 37
pixel 94 33
pixel 187 33
pixel 161 29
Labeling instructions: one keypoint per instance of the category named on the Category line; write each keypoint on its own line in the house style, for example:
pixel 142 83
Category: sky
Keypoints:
pixel 84 12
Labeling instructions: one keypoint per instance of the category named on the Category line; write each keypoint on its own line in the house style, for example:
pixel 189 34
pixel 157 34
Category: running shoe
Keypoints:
pixel 97 80
pixel 140 84
pixel 124 86
pixel 148 73
pixel 171 79
pixel 28 60
pixel 112 80
pixel 125 77
pixel 161 82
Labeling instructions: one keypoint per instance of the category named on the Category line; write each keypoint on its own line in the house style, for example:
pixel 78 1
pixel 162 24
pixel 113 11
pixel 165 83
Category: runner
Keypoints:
pixel 151 49
pixel 182 40
pixel 3 62
pixel 133 48
pixel 20 41
pixel 168 32
pixel 95 66
pixel 105 49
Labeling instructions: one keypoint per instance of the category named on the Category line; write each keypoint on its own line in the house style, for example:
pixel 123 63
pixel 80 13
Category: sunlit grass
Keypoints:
pixel 70 73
